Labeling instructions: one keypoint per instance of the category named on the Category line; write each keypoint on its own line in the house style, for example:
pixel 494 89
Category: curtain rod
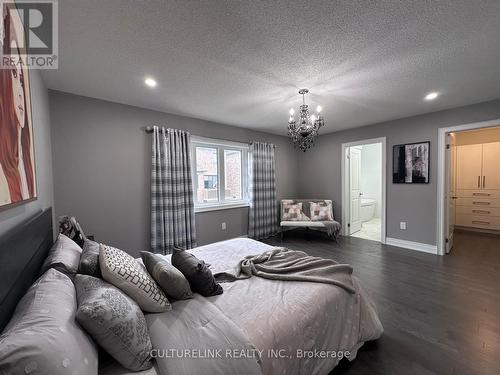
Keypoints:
pixel 149 130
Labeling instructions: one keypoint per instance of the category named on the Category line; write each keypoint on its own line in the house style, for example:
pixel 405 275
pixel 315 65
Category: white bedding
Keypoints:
pixel 281 319
pixel 114 368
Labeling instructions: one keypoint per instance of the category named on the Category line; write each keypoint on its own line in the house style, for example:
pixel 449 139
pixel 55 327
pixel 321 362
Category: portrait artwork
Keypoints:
pixel 17 164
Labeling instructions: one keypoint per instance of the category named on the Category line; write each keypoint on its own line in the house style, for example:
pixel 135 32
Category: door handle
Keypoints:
pixel 481 194
pixel 478 181
pixel 484 182
pixel 482 203
pixel 481 212
pixel 480 222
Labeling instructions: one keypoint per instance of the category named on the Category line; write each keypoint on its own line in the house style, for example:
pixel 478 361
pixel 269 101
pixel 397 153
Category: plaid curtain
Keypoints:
pixel 172 207
pixel 263 217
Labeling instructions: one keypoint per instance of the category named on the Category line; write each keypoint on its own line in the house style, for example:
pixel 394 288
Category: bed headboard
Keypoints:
pixel 22 252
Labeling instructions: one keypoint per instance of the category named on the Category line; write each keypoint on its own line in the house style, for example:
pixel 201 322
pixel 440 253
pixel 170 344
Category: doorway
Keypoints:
pixel 468 182
pixel 363 189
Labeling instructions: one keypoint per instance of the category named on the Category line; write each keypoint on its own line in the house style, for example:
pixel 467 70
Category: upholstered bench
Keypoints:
pixel 309 213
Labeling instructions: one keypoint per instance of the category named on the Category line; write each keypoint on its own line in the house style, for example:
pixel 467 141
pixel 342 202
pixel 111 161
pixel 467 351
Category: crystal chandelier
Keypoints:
pixel 304 131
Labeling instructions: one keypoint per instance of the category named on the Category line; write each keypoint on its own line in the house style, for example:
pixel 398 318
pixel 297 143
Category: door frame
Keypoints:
pixel 441 170
pixel 345 184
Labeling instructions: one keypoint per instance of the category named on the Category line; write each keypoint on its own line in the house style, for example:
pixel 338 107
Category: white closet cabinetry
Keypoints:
pixel 478 186
pixel 491 165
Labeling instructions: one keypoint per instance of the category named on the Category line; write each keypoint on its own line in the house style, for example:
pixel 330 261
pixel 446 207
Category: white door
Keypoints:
pixel 355 188
pixel 451 167
pixel 469 161
pixel 491 166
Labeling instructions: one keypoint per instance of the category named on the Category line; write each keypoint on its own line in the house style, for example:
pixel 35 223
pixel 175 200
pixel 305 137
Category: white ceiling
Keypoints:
pixel 242 62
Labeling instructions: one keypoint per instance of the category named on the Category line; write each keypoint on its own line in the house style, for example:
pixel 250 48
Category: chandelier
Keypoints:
pixel 306 128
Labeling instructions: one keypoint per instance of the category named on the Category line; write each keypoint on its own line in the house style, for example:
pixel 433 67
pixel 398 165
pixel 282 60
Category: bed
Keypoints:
pixel 279 326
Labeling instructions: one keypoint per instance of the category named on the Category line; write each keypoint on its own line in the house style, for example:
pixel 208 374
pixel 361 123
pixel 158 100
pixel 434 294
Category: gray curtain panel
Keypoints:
pixel 263 216
pixel 172 206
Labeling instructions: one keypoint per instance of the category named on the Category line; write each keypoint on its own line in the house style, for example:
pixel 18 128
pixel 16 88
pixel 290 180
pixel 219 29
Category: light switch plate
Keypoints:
pixel 223 226
pixel 402 225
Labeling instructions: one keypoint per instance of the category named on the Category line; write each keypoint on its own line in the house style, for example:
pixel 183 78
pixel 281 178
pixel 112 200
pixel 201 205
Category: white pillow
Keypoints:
pixel 124 272
pixel 64 256
pixel 43 337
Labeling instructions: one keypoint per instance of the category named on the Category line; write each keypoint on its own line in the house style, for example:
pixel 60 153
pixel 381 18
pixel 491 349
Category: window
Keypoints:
pixel 210 182
pixel 219 173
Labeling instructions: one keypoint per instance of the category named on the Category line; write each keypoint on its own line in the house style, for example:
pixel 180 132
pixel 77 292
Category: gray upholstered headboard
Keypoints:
pixel 22 252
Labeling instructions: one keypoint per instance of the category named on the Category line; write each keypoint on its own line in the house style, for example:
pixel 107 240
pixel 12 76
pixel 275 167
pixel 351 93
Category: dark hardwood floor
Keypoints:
pixel 441 315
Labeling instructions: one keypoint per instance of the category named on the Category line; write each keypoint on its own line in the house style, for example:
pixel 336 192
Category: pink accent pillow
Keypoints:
pixel 321 211
pixel 291 211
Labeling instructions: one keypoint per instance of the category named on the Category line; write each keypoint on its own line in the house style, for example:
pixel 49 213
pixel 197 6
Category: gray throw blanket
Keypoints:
pixel 284 264
pixel 332 228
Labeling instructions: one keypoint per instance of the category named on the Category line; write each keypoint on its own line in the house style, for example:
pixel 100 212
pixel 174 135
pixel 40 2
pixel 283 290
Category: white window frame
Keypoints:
pixel 221 146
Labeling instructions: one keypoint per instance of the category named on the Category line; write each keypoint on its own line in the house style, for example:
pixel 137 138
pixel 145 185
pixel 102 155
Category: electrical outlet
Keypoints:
pixel 402 225
pixel 223 226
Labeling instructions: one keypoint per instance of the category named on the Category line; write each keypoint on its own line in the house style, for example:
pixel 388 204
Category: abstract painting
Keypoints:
pixel 411 163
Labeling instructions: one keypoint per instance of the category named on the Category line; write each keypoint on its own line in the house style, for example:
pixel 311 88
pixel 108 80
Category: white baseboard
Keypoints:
pixel 426 248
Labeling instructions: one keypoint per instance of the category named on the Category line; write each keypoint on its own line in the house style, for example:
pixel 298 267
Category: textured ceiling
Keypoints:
pixel 242 62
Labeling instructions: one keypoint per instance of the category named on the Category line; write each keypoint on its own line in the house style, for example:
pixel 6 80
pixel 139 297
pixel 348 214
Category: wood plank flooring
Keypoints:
pixel 441 315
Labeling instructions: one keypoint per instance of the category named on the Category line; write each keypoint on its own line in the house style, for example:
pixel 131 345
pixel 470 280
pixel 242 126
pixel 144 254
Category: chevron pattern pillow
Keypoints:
pixel 124 272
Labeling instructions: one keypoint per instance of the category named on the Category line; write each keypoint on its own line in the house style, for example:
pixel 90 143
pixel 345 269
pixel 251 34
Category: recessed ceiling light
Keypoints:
pixel 150 82
pixel 431 96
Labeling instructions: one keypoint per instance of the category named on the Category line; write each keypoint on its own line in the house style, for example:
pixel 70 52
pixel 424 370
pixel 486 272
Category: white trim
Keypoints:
pixel 221 146
pixel 441 172
pixel 423 247
pixel 345 184
pixel 227 206
pixel 218 142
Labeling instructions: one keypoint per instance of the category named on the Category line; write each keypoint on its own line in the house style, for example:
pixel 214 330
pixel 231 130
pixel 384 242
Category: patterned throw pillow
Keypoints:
pixel 321 211
pixel 115 322
pixel 89 261
pixel 124 272
pixel 291 211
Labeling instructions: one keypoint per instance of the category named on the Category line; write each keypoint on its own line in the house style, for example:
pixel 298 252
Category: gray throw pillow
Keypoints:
pixel 170 279
pixel 43 336
pixel 63 256
pixel 127 274
pixel 89 260
pixel 197 272
pixel 115 322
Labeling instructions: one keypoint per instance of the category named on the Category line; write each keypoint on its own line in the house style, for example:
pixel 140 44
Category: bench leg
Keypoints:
pixel 281 234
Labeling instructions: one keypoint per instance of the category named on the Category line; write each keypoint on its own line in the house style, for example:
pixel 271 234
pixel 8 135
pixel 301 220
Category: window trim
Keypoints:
pixel 220 146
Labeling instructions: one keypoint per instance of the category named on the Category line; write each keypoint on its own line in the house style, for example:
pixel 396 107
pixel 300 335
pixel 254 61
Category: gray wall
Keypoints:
pixel 320 167
pixel 11 217
pixel 102 167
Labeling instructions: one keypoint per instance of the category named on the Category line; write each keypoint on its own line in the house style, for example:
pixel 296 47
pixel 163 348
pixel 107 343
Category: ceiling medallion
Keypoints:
pixel 306 128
